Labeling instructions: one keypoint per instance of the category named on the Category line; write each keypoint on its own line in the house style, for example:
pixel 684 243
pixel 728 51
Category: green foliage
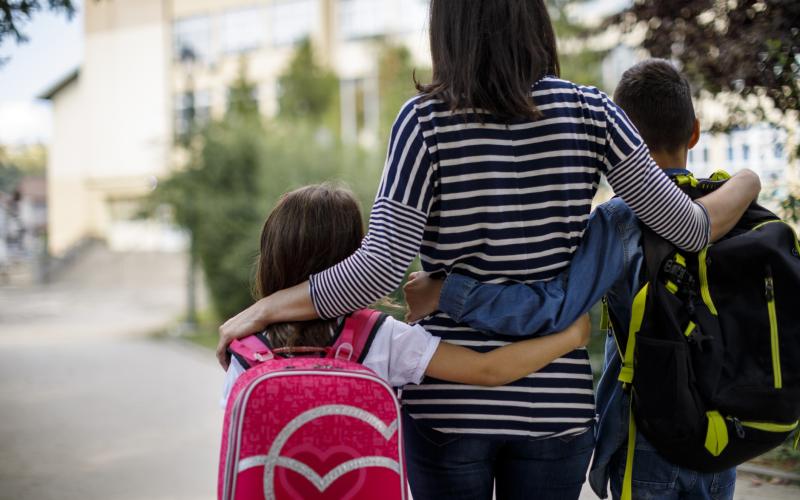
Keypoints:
pixel 14 13
pixel 18 162
pixel 396 75
pixel 581 63
pixel 241 95
pixel 307 89
pixel 743 47
pixel 238 169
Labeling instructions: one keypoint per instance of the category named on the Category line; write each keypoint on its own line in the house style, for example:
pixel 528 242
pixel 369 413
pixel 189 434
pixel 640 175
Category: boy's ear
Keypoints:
pixel 695 135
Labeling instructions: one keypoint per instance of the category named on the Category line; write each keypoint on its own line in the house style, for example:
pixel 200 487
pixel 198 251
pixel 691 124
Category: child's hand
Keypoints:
pixel 422 295
pixel 582 331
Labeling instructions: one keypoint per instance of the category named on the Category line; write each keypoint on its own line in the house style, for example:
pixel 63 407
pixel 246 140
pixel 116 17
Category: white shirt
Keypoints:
pixel 399 354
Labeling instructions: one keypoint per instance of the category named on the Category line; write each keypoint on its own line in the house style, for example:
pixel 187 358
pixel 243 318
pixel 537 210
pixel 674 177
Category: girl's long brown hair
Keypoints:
pixel 308 231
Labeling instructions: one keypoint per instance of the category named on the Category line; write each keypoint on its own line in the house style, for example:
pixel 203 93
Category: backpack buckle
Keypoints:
pixel 344 351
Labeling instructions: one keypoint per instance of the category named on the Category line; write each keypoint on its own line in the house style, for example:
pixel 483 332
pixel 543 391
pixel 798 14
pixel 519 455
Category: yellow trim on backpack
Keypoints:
pixel 686 179
pixel 604 317
pixel 680 259
pixel 672 287
pixel 775 346
pixel 770 426
pixel 704 291
pixel 627 478
pixel 690 328
pixel 637 316
pixel 796 241
pixel 716 433
pixel 720 175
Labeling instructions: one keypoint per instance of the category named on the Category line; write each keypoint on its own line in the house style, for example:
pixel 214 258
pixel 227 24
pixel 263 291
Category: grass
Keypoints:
pixel 784 457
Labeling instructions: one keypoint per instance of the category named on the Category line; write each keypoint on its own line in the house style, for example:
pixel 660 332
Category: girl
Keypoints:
pixel 314 227
pixel 491 171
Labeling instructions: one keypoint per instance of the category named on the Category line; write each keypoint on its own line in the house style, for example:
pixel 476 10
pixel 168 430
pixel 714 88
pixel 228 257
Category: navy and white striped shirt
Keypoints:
pixel 503 202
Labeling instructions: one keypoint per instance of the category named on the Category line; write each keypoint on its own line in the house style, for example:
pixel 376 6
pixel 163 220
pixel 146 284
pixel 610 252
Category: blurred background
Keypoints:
pixel 143 142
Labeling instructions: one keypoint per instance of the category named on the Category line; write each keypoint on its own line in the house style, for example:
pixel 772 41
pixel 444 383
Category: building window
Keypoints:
pixel 730 150
pixel 192 39
pixel 243 30
pixel 362 18
pixel 745 152
pixel 191 108
pixel 705 154
pixel 691 156
pixel 292 20
pixel 778 150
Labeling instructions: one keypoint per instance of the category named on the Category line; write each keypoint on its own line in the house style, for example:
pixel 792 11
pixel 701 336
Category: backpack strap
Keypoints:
pixel 637 316
pixel 251 350
pixel 627 478
pixel 353 340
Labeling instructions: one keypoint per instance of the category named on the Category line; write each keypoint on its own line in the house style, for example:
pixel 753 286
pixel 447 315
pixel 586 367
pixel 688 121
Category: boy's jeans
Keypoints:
pixel 462 467
pixel 656 479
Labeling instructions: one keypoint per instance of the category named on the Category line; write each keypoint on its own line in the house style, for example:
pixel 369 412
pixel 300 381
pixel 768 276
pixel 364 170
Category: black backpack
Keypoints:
pixel 713 362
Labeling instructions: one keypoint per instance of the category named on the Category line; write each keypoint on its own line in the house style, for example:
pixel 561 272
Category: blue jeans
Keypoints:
pixel 461 467
pixel 656 479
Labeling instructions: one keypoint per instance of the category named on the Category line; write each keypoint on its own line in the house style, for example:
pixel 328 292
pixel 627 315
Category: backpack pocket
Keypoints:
pixel 668 400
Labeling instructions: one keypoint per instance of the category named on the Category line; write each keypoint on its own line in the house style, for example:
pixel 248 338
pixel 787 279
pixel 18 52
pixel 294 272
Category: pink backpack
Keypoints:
pixel 312 427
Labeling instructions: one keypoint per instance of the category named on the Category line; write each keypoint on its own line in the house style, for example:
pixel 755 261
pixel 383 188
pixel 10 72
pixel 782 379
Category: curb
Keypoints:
pixel 760 470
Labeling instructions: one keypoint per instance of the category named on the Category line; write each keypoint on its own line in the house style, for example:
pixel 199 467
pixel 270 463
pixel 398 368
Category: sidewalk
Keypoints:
pixel 90 407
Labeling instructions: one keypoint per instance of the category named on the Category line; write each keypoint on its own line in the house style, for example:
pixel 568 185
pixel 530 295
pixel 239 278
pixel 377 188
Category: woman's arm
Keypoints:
pixel 290 304
pixel 397 222
pixel 508 363
pixel 727 204
pixel 657 201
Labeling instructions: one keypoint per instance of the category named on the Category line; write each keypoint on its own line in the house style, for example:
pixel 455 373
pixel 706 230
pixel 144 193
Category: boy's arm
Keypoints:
pixel 539 308
pixel 508 363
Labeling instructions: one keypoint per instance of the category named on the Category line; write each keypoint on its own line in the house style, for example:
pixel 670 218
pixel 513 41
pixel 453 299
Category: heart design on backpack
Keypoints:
pixel 274 459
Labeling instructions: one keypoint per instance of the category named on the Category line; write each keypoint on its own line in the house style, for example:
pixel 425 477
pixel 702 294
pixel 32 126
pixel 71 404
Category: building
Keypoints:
pixel 147 61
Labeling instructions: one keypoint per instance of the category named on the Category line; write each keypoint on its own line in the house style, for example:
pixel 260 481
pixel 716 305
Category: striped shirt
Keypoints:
pixel 503 202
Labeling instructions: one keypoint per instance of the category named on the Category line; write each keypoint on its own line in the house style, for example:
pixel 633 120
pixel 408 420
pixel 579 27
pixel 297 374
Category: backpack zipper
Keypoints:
pixel 769 292
pixel 761 426
pixel 705 293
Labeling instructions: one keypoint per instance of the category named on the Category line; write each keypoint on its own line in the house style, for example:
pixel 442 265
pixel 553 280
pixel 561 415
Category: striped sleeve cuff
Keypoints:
pixel 377 267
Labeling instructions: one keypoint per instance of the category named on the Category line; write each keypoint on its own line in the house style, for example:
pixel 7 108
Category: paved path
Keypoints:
pixel 91 408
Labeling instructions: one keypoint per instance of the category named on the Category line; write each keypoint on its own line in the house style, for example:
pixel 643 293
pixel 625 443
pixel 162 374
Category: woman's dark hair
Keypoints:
pixel 308 231
pixel 488 53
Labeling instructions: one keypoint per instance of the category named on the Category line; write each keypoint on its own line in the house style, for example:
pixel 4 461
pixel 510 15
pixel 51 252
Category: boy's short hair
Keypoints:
pixel 658 100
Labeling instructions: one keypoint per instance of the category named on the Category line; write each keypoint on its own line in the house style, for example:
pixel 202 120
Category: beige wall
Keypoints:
pixel 68 213
pixel 112 129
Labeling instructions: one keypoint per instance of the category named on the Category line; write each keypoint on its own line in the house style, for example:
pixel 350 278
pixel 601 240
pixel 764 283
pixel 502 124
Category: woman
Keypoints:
pixel 491 170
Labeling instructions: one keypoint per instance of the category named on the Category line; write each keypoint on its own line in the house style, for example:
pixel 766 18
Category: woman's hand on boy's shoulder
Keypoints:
pixel 422 295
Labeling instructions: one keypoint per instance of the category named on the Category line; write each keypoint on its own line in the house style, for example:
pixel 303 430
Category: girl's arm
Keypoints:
pixel 508 363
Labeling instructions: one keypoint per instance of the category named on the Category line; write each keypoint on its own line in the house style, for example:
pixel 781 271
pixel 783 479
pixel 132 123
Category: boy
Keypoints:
pixel 657 99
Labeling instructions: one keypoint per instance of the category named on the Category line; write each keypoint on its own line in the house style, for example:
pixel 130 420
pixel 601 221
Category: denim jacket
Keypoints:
pixel 606 263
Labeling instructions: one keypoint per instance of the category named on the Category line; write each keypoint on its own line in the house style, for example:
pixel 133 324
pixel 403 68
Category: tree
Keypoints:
pixel 307 89
pixel 14 13
pixel 239 166
pixel 580 61
pixel 743 47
